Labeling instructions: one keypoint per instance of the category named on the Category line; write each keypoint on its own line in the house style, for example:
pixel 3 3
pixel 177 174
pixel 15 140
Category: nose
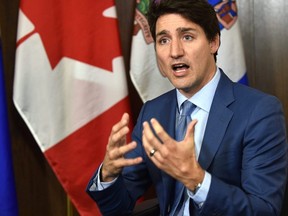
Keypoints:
pixel 176 49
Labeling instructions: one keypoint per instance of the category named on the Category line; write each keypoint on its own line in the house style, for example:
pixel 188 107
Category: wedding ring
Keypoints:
pixel 152 152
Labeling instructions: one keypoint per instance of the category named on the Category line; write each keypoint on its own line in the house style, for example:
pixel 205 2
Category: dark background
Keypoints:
pixel 264 28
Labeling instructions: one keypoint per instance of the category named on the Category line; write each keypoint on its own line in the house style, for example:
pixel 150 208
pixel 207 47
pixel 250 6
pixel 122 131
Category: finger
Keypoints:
pixel 149 149
pixel 123 162
pixel 147 136
pixel 119 131
pixel 113 168
pixel 150 141
pixel 119 138
pixel 160 132
pixel 127 148
pixel 190 130
pixel 122 123
pixel 121 151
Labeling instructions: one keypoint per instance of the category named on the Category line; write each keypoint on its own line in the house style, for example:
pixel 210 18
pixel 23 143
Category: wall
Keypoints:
pixel 265 36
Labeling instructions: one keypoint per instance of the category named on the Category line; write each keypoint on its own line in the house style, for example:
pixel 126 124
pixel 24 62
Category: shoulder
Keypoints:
pixel 245 101
pixel 162 100
pixel 164 97
pixel 250 96
pixel 159 107
pixel 242 94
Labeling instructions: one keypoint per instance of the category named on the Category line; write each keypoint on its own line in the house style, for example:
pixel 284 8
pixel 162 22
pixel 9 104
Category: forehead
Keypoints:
pixel 172 22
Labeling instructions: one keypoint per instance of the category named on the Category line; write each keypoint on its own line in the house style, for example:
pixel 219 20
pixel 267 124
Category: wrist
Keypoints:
pixel 196 183
pixel 197 187
pixel 105 177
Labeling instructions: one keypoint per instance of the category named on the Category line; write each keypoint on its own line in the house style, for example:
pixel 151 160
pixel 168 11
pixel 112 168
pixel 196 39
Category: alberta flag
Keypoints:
pixel 70 86
pixel 143 68
pixel 8 200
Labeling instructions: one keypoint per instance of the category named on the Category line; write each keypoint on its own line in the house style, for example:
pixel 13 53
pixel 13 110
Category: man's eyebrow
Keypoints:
pixel 179 30
pixel 163 32
pixel 184 29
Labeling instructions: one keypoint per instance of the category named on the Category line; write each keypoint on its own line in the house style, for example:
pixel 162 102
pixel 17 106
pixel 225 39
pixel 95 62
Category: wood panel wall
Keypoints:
pixel 265 37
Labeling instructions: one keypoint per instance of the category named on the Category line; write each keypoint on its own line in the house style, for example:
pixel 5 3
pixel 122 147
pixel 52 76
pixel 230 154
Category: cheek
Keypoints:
pixel 161 62
pixel 161 66
pixel 200 56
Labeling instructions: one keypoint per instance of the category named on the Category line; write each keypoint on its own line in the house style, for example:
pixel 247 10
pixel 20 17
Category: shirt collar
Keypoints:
pixel 204 97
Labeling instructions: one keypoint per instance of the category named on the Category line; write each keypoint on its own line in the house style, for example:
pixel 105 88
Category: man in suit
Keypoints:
pixel 231 159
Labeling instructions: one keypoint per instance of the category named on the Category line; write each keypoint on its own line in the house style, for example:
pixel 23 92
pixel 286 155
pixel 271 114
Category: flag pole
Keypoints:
pixel 69 207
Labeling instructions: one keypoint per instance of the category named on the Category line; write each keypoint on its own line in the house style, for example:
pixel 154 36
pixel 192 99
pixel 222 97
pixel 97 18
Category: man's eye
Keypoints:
pixel 188 37
pixel 163 41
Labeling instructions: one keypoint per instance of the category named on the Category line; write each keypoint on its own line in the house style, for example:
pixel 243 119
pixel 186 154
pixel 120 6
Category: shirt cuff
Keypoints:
pixel 98 185
pixel 200 196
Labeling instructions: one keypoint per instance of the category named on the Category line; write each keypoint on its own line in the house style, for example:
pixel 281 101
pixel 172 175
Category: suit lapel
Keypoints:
pixel 168 122
pixel 167 119
pixel 166 113
pixel 218 120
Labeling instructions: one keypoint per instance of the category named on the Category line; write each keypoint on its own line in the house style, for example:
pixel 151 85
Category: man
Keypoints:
pixel 231 159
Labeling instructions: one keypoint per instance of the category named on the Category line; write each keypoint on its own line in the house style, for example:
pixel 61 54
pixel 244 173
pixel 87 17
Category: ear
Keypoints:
pixel 214 44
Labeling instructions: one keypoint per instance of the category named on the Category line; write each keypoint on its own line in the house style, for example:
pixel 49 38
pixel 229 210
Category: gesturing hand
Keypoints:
pixel 178 159
pixel 114 160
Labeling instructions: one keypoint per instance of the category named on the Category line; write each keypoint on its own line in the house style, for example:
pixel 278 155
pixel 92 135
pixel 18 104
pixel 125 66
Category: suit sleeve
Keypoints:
pixel 120 198
pixel 263 171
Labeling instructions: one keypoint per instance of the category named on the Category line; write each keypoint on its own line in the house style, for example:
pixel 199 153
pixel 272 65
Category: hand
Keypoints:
pixel 178 159
pixel 117 147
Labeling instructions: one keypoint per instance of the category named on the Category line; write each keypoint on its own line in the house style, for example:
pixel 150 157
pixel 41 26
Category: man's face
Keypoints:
pixel 184 54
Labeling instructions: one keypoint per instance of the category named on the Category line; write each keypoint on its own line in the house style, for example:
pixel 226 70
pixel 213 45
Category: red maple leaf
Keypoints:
pixel 76 29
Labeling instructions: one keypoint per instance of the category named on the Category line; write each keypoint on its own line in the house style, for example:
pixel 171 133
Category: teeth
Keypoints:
pixel 179 66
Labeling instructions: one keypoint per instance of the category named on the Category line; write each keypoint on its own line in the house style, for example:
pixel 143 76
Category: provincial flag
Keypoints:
pixel 70 85
pixel 8 200
pixel 144 72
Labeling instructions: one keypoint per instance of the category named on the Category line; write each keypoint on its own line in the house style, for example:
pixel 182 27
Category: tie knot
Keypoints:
pixel 187 108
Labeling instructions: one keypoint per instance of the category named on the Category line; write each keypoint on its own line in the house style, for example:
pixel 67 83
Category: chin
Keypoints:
pixel 182 86
pixel 186 89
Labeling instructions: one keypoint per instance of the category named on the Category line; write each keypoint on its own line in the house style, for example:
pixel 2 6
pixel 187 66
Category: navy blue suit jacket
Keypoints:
pixel 244 149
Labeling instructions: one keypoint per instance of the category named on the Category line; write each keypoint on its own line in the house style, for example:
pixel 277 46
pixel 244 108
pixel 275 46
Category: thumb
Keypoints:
pixel 190 131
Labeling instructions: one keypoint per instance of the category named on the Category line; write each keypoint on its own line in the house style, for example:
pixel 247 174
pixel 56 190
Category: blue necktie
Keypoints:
pixel 184 119
pixel 181 127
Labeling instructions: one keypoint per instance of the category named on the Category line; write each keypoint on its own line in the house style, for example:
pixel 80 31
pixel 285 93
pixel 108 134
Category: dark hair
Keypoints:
pixel 197 11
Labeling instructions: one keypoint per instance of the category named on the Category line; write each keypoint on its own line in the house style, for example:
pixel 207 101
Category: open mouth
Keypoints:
pixel 180 67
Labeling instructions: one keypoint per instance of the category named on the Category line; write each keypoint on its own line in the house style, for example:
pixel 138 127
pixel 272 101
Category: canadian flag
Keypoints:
pixel 70 85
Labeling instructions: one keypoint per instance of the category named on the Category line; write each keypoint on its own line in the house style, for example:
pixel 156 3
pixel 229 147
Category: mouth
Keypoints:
pixel 180 67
